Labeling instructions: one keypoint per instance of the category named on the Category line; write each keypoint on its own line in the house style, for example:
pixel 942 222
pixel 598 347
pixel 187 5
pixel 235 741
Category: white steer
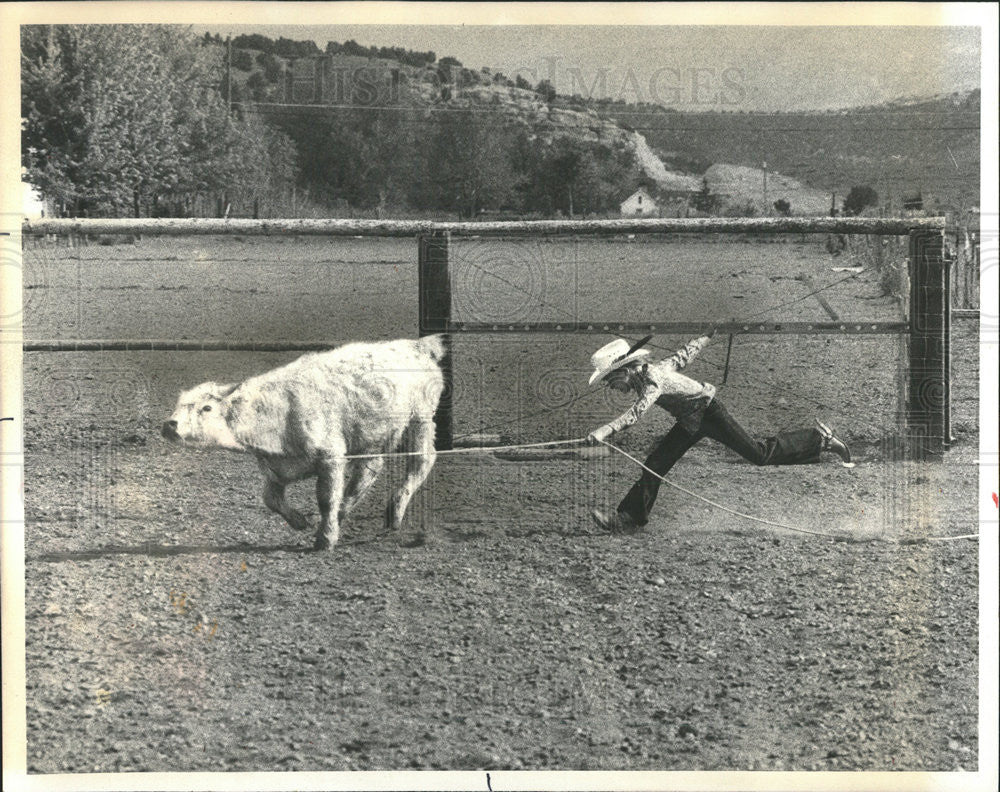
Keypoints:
pixel 303 419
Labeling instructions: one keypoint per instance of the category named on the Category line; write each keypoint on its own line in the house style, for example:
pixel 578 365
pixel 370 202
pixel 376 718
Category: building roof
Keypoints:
pixel 634 193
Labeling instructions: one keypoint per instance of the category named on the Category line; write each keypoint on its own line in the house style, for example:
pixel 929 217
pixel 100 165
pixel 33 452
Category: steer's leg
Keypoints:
pixel 274 499
pixel 329 495
pixel 419 437
pixel 361 476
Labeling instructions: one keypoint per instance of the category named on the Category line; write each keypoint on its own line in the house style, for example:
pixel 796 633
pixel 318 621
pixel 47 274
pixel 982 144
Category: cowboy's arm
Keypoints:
pixel 646 400
pixel 687 353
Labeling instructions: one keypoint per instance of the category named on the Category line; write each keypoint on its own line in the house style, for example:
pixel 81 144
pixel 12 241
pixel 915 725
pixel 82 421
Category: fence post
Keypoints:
pixel 319 73
pixel 929 398
pixel 434 287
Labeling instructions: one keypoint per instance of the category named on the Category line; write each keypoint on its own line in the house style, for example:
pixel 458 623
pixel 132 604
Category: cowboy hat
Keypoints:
pixel 615 355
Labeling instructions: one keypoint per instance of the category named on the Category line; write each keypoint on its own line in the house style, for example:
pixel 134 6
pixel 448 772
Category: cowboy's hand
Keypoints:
pixel 599 434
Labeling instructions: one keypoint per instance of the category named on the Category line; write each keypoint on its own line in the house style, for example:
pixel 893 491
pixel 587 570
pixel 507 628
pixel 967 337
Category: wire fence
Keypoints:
pixel 868 255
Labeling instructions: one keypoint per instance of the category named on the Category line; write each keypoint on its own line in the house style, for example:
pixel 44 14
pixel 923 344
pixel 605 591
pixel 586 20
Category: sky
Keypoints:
pixel 692 67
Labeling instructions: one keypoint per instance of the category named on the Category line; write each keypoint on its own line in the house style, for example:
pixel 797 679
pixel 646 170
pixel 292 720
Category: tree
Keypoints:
pixel 858 199
pixel 351 47
pixel 448 69
pixel 573 176
pixel 242 60
pixel 547 91
pixel 117 117
pixel 272 69
pixel 253 41
pixel 704 200
pixel 782 207
pixel 257 86
pixel 469 163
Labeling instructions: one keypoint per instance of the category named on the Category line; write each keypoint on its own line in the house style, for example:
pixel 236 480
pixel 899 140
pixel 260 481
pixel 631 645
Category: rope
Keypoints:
pixel 703 358
pixel 579 440
pixel 521 419
pixel 725 369
pixel 470 450
pixel 761 519
pixel 712 502
pixel 800 299
pixel 725 377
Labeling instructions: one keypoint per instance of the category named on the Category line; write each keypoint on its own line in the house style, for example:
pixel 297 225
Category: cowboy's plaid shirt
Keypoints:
pixel 681 396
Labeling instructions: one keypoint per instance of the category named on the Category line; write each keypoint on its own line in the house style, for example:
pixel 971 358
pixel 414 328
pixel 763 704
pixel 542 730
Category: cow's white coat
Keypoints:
pixel 302 419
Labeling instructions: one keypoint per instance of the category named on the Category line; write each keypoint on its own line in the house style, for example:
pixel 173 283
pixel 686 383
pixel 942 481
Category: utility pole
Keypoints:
pixel 223 200
pixel 767 205
pixel 229 75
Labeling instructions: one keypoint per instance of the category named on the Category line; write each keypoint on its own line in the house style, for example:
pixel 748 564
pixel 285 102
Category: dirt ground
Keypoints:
pixel 174 624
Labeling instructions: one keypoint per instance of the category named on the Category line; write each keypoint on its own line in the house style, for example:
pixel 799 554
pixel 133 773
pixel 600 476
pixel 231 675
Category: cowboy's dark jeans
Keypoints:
pixel 785 448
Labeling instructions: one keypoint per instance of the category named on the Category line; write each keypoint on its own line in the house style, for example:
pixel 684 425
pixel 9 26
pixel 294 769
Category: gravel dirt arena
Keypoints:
pixel 173 623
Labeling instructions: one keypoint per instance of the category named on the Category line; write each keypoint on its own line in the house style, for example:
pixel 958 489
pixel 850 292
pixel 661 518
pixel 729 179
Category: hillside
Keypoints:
pixel 744 186
pixel 929 145
pixel 422 94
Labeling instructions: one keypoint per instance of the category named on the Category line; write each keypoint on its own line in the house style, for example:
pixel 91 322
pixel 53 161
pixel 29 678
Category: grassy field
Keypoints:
pixel 174 624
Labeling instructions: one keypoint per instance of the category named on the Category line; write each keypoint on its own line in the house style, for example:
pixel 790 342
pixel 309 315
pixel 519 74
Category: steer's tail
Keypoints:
pixel 433 345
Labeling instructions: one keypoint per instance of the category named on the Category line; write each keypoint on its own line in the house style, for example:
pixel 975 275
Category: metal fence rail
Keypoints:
pixel 736 328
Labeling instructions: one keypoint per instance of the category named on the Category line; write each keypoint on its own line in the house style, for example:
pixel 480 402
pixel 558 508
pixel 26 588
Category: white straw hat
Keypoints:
pixel 615 355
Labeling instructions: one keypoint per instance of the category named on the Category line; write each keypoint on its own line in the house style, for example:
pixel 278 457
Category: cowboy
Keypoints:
pixel 698 413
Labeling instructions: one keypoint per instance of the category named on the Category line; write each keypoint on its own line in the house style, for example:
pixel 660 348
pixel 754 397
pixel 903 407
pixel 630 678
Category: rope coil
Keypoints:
pixel 750 516
pixel 624 453
pixel 469 450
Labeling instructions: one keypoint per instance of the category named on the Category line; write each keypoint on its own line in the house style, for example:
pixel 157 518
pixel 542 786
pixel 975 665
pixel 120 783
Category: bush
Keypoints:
pixel 884 255
pixel 257 86
pixel 704 200
pixel 858 199
pixel 271 66
pixel 547 91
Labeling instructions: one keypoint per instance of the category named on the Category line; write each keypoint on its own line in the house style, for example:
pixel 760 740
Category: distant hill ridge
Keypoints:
pixel 911 144
pixel 349 78
pixel 921 144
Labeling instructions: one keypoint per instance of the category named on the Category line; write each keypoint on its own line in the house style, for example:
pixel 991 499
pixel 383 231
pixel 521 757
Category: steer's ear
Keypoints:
pixel 227 390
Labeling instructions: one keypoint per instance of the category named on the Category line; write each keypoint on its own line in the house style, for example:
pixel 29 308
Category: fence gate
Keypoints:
pixel 928 397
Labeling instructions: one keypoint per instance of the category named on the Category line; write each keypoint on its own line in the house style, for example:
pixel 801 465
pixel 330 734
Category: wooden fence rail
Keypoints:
pixel 415 228
pixel 928 397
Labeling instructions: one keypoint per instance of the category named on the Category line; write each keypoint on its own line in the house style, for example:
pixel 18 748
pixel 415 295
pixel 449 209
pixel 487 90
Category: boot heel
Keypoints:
pixel 833 443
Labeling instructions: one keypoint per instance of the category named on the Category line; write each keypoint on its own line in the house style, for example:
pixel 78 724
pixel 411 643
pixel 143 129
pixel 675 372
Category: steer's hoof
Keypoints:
pixel 321 543
pixel 412 539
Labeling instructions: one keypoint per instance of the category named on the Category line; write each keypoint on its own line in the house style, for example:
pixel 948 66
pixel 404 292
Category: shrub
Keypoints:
pixel 858 199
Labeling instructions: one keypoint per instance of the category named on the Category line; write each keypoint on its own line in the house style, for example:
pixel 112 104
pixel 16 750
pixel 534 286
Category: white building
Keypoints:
pixel 33 206
pixel 639 204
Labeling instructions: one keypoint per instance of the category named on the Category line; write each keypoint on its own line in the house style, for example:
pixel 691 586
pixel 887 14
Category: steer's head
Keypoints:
pixel 199 417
